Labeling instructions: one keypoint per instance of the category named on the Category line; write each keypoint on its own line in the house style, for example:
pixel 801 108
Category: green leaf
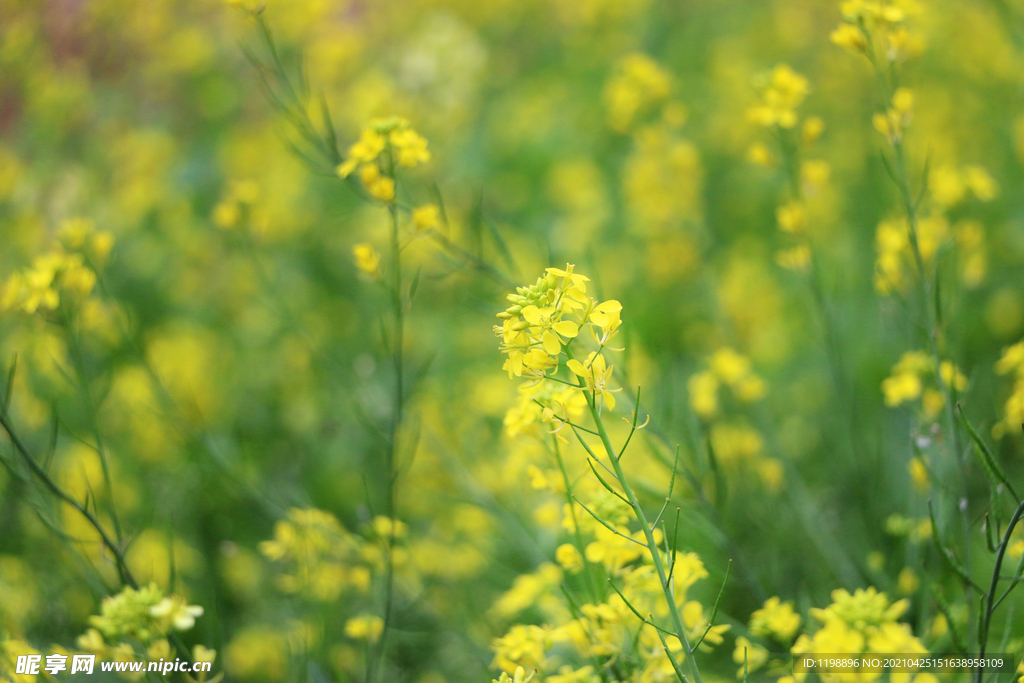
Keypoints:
pixel 414 285
pixel 604 483
pixel 947 612
pixel 987 459
pixel 672 660
pixel 990 540
pixel 924 180
pixel 332 136
pixel 720 483
pixel 606 525
pixel 714 610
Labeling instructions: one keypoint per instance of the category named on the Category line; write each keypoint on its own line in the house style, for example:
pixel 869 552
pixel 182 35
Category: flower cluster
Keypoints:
pixel 878 29
pixel 366 627
pixel 144 614
pixel 776 619
pixel 68 268
pixel 602 631
pixel 726 369
pixel 916 530
pixel 949 184
pixel 859 623
pixel 914 377
pixel 133 618
pixel 894 122
pixel 895 261
pixel 519 677
pixel 662 181
pixel 662 178
pixel 383 145
pixel 544 402
pixel 543 320
pixel 638 85
pixel 863 622
pixel 367 259
pixel 319 558
pixel 781 92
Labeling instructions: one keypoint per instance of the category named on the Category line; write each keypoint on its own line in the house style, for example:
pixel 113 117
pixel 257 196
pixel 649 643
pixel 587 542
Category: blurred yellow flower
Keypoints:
pixel 776 619
pixel 367 259
pixel 781 91
pixel 364 627
pixel 638 84
pixel 426 217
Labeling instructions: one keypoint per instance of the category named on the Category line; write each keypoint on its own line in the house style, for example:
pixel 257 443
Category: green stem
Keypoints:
pixel 652 545
pixel 930 303
pixel 124 573
pixel 375 663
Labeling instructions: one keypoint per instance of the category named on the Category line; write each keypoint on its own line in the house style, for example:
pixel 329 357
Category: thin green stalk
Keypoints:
pixel 376 663
pixel 901 179
pixel 652 545
pixel 44 477
pixel 397 344
pixel 124 573
pixel 931 304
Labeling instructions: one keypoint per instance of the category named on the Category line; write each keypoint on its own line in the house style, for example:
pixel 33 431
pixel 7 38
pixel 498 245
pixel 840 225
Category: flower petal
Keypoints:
pixel 577 368
pixel 532 315
pixel 551 343
pixel 566 328
pixel 576 294
pixel 609 399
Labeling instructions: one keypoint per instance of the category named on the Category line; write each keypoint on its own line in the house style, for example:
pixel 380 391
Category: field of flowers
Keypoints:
pixel 563 341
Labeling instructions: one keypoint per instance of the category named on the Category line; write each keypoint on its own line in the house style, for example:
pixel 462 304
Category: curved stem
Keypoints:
pixel 124 573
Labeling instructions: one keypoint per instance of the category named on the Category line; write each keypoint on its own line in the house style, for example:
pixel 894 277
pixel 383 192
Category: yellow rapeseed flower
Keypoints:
pixel 367 259
pixel 365 627
pixel 426 217
pixel 383 145
pixel 781 92
pixel 776 619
